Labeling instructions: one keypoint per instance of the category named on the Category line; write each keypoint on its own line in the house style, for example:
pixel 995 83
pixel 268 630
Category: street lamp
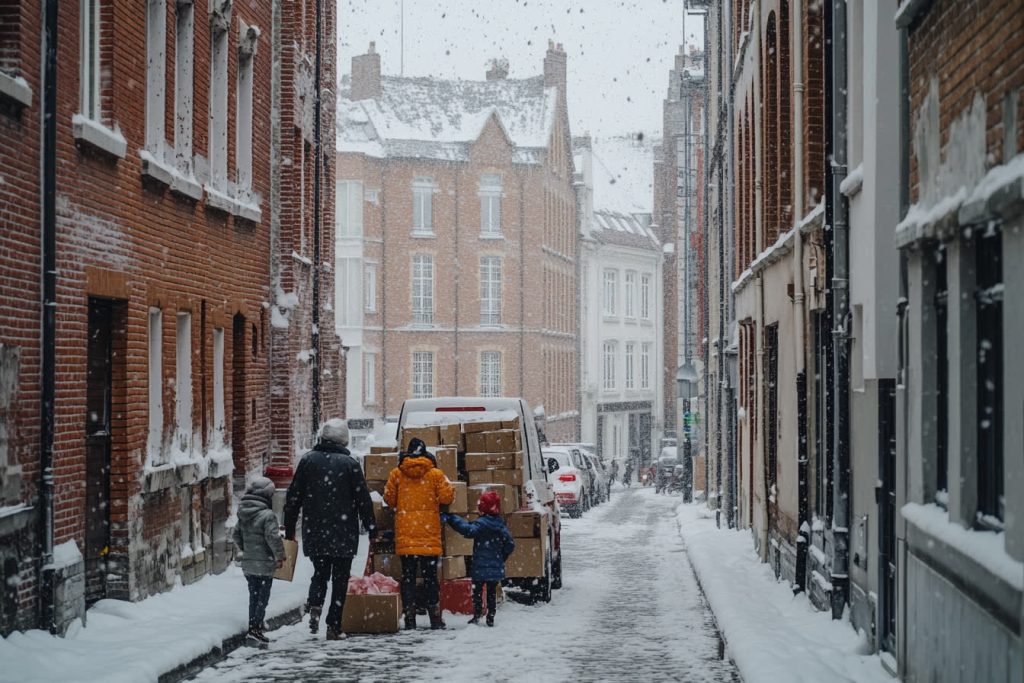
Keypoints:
pixel 686 384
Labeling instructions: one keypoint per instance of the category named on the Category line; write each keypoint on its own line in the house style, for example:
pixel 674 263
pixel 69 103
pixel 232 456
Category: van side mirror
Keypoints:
pixel 552 465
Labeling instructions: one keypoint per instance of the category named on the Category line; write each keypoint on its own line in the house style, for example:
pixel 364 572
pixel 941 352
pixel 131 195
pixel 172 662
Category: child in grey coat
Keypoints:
pixel 257 538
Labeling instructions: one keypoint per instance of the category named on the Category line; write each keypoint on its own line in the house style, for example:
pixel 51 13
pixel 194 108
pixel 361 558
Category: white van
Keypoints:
pixel 538 492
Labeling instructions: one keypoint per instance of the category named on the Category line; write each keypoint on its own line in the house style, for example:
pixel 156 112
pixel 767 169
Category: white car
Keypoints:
pixel 570 478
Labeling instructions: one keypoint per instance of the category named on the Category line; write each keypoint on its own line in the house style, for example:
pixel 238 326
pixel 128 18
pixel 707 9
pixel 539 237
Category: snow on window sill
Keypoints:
pixel 423 234
pixel 853 183
pixel 96 135
pixel 16 88
pixel 167 174
pixel 492 236
pixel 248 209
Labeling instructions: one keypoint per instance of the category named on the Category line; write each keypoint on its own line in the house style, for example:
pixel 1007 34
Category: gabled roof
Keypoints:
pixel 439 119
pixel 613 227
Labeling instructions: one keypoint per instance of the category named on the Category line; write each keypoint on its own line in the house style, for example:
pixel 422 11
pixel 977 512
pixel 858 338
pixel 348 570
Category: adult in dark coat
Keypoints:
pixel 329 490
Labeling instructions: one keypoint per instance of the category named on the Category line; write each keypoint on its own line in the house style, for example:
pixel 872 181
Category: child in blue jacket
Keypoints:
pixel 492 544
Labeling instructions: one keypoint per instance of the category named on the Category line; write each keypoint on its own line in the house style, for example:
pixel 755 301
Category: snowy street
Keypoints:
pixel 630 610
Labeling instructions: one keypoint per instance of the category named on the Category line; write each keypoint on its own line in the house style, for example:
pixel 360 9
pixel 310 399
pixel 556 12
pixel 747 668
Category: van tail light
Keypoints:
pixel 567 477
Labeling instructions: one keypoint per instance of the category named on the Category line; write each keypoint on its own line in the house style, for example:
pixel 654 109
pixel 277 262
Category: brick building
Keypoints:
pixel 456 226
pixel 171 123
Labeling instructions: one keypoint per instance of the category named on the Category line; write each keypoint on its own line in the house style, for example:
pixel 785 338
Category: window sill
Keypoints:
pixel 497 236
pixel 631 320
pixel 418 234
pixel 215 199
pixel 96 135
pixel 170 176
pixel 16 89
pixel 610 318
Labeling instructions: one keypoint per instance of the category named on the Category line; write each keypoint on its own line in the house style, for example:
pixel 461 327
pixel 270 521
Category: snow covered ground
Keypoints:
pixel 770 634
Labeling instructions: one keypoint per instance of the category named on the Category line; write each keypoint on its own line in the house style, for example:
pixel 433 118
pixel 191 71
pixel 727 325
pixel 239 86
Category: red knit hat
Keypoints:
pixel 490 503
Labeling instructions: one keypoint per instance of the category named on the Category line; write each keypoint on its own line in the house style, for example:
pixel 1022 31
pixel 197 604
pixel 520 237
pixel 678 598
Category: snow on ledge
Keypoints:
pixel 853 182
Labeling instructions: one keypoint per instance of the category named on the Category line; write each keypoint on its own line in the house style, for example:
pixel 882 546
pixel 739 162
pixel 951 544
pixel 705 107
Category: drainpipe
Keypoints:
pixel 458 269
pixel 758 247
pixel 840 319
pixel 318 163
pixel 48 244
pixel 522 287
pixel 799 310
pixel 729 264
pixel 383 293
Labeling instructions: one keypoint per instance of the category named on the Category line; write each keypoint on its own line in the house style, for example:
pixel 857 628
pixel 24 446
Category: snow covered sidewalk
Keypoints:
pixel 770 634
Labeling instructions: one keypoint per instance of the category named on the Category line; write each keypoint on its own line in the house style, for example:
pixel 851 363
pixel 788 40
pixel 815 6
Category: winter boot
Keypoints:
pixel 476 618
pixel 335 633
pixel 253 638
pixel 436 622
pixel 410 619
pixel 314 618
pixel 261 634
pixel 490 619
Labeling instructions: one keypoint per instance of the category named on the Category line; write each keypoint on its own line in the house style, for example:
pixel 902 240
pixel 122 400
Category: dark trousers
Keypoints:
pixel 336 570
pixel 427 565
pixel 259 596
pixel 478 596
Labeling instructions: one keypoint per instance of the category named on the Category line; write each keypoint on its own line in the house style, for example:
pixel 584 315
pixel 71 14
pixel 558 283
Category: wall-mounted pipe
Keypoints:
pixel 318 163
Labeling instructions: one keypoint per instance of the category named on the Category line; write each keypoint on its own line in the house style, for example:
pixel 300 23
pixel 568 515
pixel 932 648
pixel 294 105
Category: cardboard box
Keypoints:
pixel 448 462
pixel 371 613
pixel 384 516
pixel 455 544
pixel 388 565
pixel 451 435
pixel 460 504
pixel 429 435
pixel 503 441
pixel 495 476
pixel 509 496
pixel 527 559
pixel 377 450
pixel 378 466
pixel 453 568
pixel 501 461
pixel 286 572
pixel 526 524
pixel 482 426
pixel 476 442
pixel 510 424
pixel 376 485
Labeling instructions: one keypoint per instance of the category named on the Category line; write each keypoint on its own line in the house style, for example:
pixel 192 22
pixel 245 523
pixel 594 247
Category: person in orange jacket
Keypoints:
pixel 417 489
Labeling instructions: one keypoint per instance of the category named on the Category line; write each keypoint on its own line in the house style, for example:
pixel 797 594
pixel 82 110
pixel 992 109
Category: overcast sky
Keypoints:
pixel 619 51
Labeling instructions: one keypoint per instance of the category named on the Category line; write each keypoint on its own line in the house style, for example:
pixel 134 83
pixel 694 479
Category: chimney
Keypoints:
pixel 366 75
pixel 554 69
pixel 498 70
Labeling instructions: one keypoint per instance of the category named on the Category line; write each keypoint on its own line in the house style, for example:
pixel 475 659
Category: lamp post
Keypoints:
pixel 686 382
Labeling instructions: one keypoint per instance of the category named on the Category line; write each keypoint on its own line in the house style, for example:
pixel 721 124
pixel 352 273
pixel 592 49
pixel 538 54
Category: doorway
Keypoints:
pixel 238 393
pixel 99 387
pixel 887 512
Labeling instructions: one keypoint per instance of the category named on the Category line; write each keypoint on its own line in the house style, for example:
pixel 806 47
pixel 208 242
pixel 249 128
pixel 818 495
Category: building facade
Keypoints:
pixel 140 213
pixel 460 231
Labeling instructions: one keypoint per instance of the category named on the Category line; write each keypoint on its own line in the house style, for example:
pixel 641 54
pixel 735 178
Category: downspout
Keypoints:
pixel 799 309
pixel 48 257
pixel 383 292
pixel 840 320
pixel 318 164
pixel 522 286
pixel 458 270
pixel 729 222
pixel 759 280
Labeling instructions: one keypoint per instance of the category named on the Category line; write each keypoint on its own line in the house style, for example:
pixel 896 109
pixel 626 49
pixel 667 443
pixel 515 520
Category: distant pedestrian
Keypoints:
pixel 627 475
pixel 492 545
pixel 331 493
pixel 257 537
pixel 417 489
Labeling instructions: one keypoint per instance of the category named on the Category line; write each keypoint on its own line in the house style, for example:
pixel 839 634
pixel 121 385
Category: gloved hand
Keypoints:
pixel 445 517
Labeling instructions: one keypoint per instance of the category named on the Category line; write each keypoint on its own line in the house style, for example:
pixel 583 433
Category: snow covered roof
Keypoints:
pixel 612 227
pixel 438 118
pixel 624 172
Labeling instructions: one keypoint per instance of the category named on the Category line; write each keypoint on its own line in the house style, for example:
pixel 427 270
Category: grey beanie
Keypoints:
pixel 261 486
pixel 335 431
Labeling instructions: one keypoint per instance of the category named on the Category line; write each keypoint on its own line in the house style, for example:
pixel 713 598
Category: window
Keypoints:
pixel 941 377
pixel 608 366
pixel 346 292
pixel 89 59
pixel 630 358
pixel 645 365
pixel 243 106
pixel 349 208
pixel 10 36
pixel 370 287
pixel 423 206
pixel 218 143
pixel 183 384
pixel 218 386
pixel 423 289
pixel 422 374
pixel 610 285
pixel 490 374
pixel 490 290
pixel 154 444
pixel 490 204
pixel 183 45
pixel 156 76
pixel 645 297
pixel 630 294
pixel 369 378
pixel 988 298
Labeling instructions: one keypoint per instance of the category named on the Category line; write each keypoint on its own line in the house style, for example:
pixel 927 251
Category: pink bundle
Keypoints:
pixel 374 584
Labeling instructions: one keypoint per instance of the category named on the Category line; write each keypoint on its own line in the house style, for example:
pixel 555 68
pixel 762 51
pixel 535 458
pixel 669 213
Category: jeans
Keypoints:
pixel 259 596
pixel 478 597
pixel 336 570
pixel 427 565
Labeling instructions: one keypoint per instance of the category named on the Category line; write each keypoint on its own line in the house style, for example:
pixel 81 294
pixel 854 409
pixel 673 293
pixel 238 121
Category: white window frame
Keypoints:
pixel 609 352
pixel 610 282
pixel 369 378
pixel 630 369
pixel 155 376
pixel 218 387
pixel 243 106
pixel 89 59
pixel 490 374
pixel 369 287
pixel 645 365
pixel 629 295
pixel 218 117
pixel 490 290
pixel 422 374
pixel 347 296
pixel 349 208
pixel 183 382
pixel 184 42
pixel 645 296
pixel 422 289
pixel 156 77
pixel 423 206
pixel 490 193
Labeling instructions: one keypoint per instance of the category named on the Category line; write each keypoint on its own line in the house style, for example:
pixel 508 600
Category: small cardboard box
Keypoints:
pixel 376 485
pixel 455 544
pixel 451 435
pixel 495 476
pixel 510 424
pixel 286 572
pixel 371 613
pixel 388 565
pixel 509 495
pixel 459 504
pixel 377 450
pixel 453 567
pixel 429 435
pixel 448 462
pixel 482 426
pixel 501 461
pixel 384 516
pixel 526 524
pixel 503 441
pixel 476 442
pixel 378 466
pixel 527 559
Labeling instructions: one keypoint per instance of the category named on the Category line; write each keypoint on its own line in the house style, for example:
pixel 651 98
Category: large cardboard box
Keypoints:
pixel 476 442
pixel 376 485
pixel 501 461
pixel 527 559
pixel 378 466
pixel 509 496
pixel 526 524
pixel 459 504
pixel 453 567
pixel 388 565
pixel 384 516
pixel 510 424
pixel 503 441
pixel 495 476
pixel 377 450
pixel 286 572
pixel 455 544
pixel 481 426
pixel 448 462
pixel 451 435
pixel 429 435
pixel 371 613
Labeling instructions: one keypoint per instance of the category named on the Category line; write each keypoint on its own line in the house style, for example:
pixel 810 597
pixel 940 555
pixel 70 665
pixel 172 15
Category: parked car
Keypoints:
pixel 602 480
pixel 667 462
pixel 570 478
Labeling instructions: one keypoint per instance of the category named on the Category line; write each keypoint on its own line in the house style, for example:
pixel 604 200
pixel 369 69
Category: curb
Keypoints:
pixel 228 645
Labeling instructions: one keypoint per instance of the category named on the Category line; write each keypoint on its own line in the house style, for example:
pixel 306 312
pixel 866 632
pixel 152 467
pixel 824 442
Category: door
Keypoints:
pixel 99 384
pixel 600 438
pixel 238 398
pixel 645 436
pixel 887 512
pixel 634 438
pixel 771 419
